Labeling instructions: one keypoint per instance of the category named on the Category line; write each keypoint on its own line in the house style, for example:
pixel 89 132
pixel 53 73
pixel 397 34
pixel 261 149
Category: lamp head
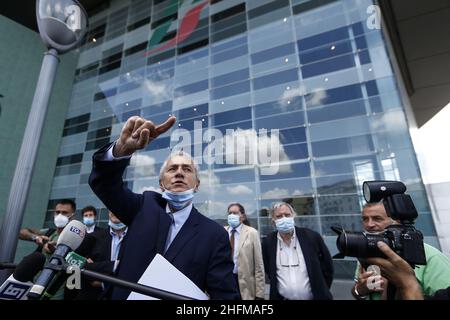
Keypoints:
pixel 62 23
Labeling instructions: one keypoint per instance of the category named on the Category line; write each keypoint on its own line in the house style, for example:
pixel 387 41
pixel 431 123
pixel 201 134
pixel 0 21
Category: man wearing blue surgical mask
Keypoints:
pixel 166 223
pixel 245 244
pixel 89 214
pixel 296 260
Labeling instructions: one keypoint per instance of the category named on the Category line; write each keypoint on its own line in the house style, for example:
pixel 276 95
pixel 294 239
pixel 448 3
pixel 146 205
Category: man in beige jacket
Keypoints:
pixel 246 254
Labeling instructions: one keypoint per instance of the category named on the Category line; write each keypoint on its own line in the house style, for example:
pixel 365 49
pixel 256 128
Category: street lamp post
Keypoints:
pixel 62 26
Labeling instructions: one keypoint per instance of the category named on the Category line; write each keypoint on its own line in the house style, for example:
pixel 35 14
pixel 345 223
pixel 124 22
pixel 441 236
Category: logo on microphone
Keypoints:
pixel 13 291
pixel 77 231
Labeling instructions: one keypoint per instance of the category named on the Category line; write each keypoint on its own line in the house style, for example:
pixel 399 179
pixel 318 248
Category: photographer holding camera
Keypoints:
pixel 400 273
pixel 433 276
pixel 392 222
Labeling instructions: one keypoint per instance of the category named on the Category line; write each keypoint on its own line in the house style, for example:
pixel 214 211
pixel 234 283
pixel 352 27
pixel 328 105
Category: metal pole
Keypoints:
pixel 12 221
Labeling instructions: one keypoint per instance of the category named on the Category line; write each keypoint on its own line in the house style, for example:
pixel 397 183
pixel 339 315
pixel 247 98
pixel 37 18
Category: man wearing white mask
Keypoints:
pixel 46 238
pixel 296 260
pixel 166 223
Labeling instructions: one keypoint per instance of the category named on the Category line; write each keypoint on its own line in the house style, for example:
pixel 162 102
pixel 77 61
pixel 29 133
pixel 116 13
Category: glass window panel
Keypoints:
pixel 231 116
pixel 296 151
pixel 327 66
pixel 327 52
pixel 191 88
pixel 348 222
pixel 192 112
pixel 321 97
pixel 276 107
pixel 231 77
pixel 268 54
pixel 229 54
pixel 292 170
pixel 234 176
pixel 275 78
pixel 285 120
pixel 286 188
pixel 337 111
pixel 323 38
pixel 230 90
pixel 293 135
pixel 354 126
pixel 359 144
pixel 337 184
pixel 346 165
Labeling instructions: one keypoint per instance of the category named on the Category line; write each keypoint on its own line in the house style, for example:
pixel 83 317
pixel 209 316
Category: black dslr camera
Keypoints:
pixel 402 238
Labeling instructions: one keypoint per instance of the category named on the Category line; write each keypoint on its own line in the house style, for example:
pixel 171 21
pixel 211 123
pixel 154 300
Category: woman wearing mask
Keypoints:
pixel 296 260
pixel 248 268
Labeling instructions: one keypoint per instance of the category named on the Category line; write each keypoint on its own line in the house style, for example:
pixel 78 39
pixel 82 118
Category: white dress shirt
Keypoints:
pixel 90 229
pixel 292 275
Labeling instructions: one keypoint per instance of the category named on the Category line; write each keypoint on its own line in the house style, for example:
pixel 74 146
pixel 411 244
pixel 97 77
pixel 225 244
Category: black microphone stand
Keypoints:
pixel 136 287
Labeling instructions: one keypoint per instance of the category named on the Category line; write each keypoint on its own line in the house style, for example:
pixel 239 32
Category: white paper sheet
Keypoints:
pixel 161 274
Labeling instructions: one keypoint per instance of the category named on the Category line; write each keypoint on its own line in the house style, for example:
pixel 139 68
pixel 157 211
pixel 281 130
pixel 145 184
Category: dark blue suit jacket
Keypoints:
pixel 201 250
pixel 317 258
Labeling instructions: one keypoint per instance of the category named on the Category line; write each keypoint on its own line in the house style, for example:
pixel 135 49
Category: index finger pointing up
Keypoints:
pixel 163 127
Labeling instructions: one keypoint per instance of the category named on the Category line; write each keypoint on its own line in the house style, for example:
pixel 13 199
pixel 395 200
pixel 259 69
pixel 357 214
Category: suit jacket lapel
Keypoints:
pixel 273 254
pixel 306 250
pixel 242 237
pixel 187 231
pixel 163 230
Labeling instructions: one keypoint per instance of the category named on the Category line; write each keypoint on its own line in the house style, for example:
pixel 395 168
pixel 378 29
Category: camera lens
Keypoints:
pixel 359 244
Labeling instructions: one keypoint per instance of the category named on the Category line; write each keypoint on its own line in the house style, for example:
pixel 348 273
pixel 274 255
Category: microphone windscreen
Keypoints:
pixel 28 268
pixel 72 235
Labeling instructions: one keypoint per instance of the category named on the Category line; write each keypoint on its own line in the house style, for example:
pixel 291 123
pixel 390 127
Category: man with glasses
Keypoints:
pixel 296 260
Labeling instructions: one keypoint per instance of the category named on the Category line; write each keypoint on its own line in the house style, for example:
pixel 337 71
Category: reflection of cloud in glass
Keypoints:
pixel 288 95
pixel 148 188
pixel 391 121
pixel 144 165
pixel 276 193
pixel 249 147
pixel 239 190
pixel 209 182
pixel 158 90
pixel 317 97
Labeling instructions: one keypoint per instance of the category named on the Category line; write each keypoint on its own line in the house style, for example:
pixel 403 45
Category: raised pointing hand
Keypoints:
pixel 137 133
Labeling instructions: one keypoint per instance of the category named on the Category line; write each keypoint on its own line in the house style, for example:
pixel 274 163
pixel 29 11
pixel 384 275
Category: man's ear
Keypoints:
pixel 161 185
pixel 197 186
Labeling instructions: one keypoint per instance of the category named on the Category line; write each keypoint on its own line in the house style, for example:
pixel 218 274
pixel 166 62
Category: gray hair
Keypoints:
pixel 280 204
pixel 180 153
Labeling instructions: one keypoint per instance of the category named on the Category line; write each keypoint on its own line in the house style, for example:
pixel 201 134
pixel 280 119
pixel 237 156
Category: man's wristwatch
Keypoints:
pixel 34 237
pixel 358 295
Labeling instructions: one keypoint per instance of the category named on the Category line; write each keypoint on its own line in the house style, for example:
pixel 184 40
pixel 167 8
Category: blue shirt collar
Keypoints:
pixel 180 216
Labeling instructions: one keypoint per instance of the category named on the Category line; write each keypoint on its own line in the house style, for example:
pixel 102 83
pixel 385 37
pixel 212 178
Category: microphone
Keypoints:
pixel 69 240
pixel 18 284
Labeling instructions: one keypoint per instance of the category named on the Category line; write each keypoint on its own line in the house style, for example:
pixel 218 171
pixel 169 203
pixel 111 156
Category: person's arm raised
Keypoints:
pixel 137 133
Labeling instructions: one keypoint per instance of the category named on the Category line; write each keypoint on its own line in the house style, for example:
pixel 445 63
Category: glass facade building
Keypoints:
pixel 313 69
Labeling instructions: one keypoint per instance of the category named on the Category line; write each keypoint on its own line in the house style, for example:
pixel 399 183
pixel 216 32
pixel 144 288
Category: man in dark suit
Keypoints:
pixel 296 260
pixel 167 224
pixel 102 249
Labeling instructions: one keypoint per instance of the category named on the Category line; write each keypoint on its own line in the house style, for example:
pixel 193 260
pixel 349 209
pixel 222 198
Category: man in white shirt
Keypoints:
pixel 296 260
